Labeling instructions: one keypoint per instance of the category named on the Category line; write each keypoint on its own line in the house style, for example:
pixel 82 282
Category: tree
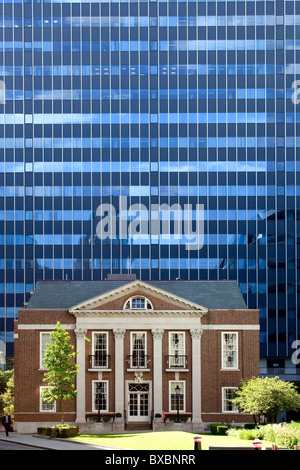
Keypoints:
pixel 6 391
pixel 61 368
pixel 266 396
pixel 8 396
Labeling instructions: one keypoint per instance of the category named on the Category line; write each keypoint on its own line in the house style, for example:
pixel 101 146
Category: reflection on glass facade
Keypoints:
pixel 164 102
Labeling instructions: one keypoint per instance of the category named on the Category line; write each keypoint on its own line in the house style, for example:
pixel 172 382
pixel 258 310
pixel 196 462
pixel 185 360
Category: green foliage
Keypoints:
pixel 267 396
pixel 286 435
pixel 218 429
pixel 222 430
pixel 61 430
pixel 61 368
pixel 7 395
pixel 245 434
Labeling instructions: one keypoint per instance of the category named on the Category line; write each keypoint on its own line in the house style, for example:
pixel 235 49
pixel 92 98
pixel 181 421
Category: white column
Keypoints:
pixel 119 370
pixel 157 369
pixel 196 374
pixel 80 400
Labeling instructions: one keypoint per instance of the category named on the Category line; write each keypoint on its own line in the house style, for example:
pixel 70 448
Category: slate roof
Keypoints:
pixel 67 294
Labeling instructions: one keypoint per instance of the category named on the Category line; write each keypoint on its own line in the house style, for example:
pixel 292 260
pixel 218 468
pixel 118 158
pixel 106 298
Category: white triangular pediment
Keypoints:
pixel 132 287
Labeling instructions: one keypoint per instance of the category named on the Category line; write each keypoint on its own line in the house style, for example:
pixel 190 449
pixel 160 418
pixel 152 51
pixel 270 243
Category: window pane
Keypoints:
pixel 230 350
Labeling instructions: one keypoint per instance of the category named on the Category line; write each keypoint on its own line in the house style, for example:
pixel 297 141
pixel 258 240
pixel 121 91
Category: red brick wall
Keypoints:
pixel 28 377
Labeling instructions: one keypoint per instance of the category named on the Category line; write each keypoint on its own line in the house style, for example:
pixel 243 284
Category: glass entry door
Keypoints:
pixel 138 402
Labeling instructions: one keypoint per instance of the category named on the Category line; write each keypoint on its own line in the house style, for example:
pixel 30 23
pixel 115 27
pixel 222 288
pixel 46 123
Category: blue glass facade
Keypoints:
pixel 164 102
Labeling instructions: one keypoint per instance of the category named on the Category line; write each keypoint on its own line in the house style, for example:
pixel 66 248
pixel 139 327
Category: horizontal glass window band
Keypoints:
pixel 136 166
pixel 146 118
pixel 116 94
pixel 85 215
pixel 145 190
pixel 138 143
pixel 145 21
pixel 126 70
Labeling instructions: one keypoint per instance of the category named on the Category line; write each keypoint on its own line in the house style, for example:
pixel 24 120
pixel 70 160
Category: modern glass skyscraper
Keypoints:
pixel 161 102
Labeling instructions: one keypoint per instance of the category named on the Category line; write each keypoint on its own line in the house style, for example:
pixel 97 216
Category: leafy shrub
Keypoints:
pixel 250 426
pixel 219 429
pixel 286 435
pixel 246 434
pixel 61 430
pixel 106 418
pixel 222 430
pixel 214 427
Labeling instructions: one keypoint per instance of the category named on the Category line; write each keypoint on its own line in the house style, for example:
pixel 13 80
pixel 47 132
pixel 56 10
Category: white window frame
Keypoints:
pixel 129 301
pixel 94 396
pixel 235 366
pixel 42 351
pixel 181 383
pixel 42 403
pixel 131 348
pixel 107 346
pixel 170 341
pixel 172 361
pixel 224 401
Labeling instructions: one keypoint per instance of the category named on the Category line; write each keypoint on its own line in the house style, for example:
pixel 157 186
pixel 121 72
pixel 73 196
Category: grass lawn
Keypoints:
pixel 168 440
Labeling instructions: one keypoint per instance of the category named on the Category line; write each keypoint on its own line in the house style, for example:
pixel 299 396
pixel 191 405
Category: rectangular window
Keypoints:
pixel 100 351
pixel 177 396
pixel 229 350
pixel 138 350
pixel 46 407
pixel 44 340
pixel 227 395
pixel 177 357
pixel 100 395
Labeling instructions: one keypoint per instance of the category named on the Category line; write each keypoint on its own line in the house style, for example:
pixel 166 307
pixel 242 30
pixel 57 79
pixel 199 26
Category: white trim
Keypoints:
pixel 42 333
pixel 41 402
pixel 178 333
pixel 127 392
pixel 157 313
pixel 236 365
pixel 223 400
pixel 231 327
pixel 137 297
pixel 93 396
pixel 36 326
pixel 184 396
pixel 131 349
pixel 131 287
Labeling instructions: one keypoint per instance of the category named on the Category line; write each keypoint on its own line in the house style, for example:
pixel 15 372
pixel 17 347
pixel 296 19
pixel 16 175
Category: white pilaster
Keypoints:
pixel 157 369
pixel 119 370
pixel 196 374
pixel 80 401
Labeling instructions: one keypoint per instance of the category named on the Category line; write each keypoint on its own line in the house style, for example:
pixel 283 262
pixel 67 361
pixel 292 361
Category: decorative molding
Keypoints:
pixel 137 313
pixel 196 333
pixel 80 333
pixel 157 333
pixel 131 288
pixel 119 333
pixel 37 326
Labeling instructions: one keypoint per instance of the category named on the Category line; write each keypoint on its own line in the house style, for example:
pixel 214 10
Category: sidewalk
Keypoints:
pixel 52 444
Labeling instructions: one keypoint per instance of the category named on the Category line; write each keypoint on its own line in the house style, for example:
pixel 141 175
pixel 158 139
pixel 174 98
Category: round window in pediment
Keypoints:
pixel 138 303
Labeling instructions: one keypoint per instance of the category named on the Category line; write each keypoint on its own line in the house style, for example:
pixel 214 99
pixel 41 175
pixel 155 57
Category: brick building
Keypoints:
pixel 145 349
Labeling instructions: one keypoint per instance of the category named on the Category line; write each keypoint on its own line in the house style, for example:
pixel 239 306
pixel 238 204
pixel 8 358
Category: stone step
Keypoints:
pixel 138 426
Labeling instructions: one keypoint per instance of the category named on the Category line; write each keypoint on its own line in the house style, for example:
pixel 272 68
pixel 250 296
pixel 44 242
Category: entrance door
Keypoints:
pixel 138 402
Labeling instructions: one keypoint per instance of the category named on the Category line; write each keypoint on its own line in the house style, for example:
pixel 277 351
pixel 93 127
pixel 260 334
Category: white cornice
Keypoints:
pixel 137 313
pixel 129 289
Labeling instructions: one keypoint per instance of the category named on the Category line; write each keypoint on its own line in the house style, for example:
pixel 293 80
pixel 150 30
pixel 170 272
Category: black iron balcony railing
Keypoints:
pixel 100 361
pixel 176 362
pixel 138 361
